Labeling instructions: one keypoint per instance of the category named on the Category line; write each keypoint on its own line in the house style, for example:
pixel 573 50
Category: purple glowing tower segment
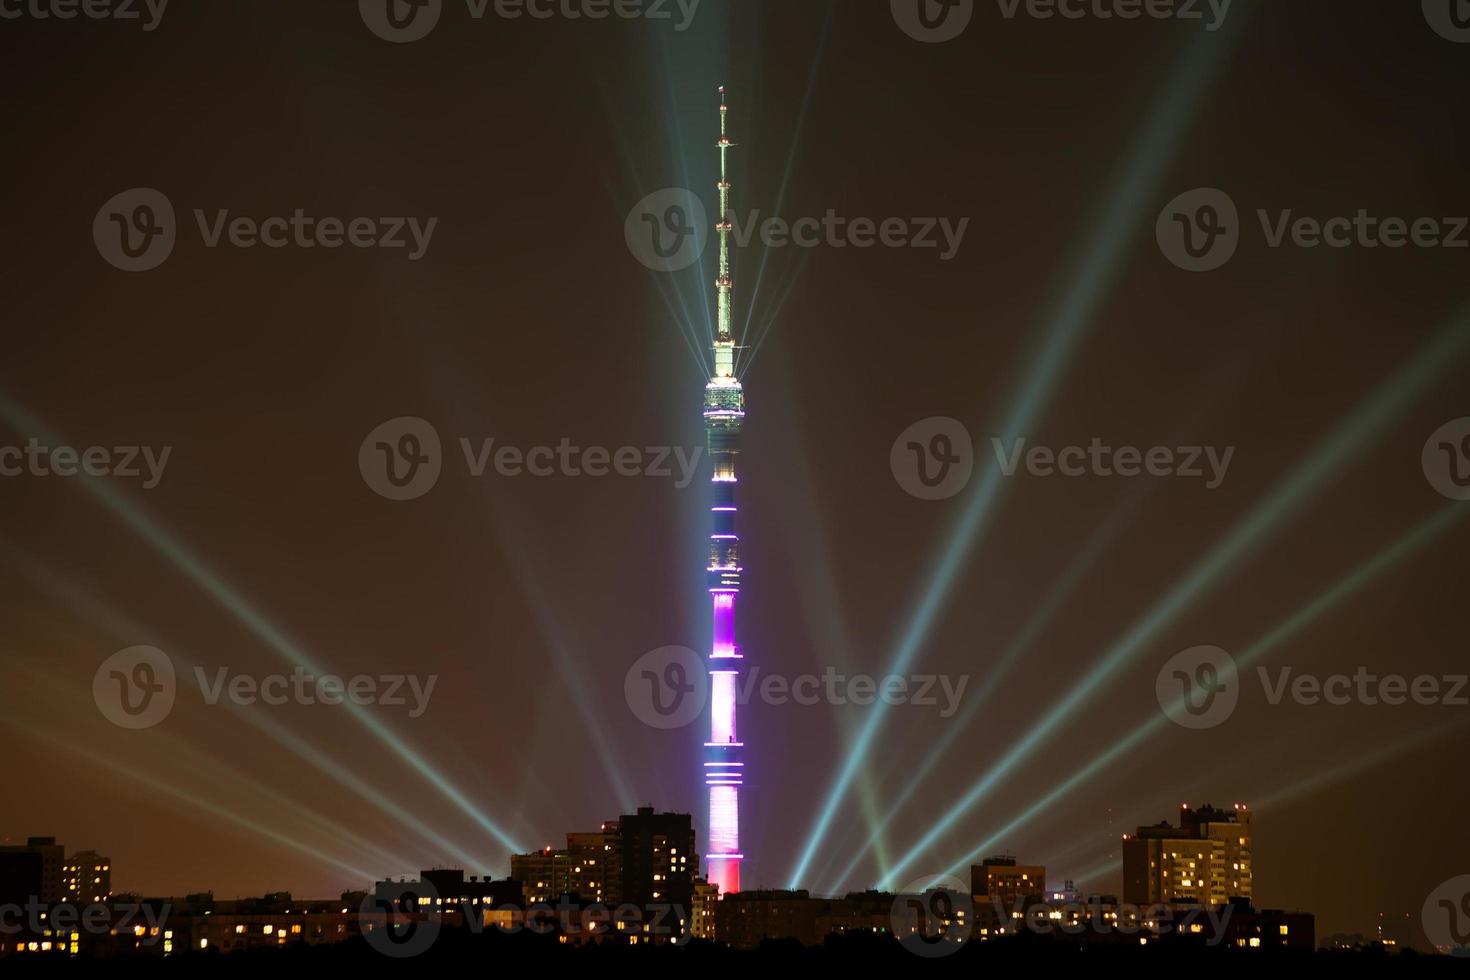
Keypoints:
pixel 724 409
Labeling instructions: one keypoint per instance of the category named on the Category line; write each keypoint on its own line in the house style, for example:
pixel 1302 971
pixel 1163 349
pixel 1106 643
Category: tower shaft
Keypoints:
pixel 724 410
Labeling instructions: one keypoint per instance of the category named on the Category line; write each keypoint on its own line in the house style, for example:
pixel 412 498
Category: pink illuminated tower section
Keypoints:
pixel 724 409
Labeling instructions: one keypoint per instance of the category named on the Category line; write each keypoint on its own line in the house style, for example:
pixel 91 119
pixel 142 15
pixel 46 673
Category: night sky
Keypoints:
pixel 528 320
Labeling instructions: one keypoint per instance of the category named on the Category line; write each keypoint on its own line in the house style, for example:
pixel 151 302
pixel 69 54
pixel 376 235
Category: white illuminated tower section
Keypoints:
pixel 724 408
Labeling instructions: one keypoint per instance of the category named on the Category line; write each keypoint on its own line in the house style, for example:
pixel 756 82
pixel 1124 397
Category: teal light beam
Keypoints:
pixel 1243 539
pixel 1096 546
pixel 754 342
pixel 115 623
pixel 137 776
pixel 203 576
pixel 1295 788
pixel 1359 764
pixel 1097 267
pixel 1357 580
pixel 820 603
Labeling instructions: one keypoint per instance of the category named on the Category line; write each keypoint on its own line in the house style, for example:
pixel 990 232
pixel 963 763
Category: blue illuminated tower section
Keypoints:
pixel 724 409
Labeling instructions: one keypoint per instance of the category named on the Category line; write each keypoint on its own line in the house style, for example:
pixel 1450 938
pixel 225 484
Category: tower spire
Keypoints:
pixel 724 339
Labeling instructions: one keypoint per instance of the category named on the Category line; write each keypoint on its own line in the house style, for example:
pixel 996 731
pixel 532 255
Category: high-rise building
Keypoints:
pixel 596 861
pixel 20 876
pixel 1206 860
pixel 86 878
pixel 545 875
pixel 1001 880
pixel 724 410
pixel 52 858
pixel 658 860
pixel 702 910
pixel 644 859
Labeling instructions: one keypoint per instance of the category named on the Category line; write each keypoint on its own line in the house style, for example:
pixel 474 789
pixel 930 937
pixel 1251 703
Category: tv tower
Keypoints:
pixel 724 408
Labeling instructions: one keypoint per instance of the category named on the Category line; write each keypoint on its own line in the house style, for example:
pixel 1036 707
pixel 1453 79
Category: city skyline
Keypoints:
pixel 1108 449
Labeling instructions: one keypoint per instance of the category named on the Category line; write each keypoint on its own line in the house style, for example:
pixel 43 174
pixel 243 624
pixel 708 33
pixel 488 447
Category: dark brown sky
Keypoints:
pixel 528 320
